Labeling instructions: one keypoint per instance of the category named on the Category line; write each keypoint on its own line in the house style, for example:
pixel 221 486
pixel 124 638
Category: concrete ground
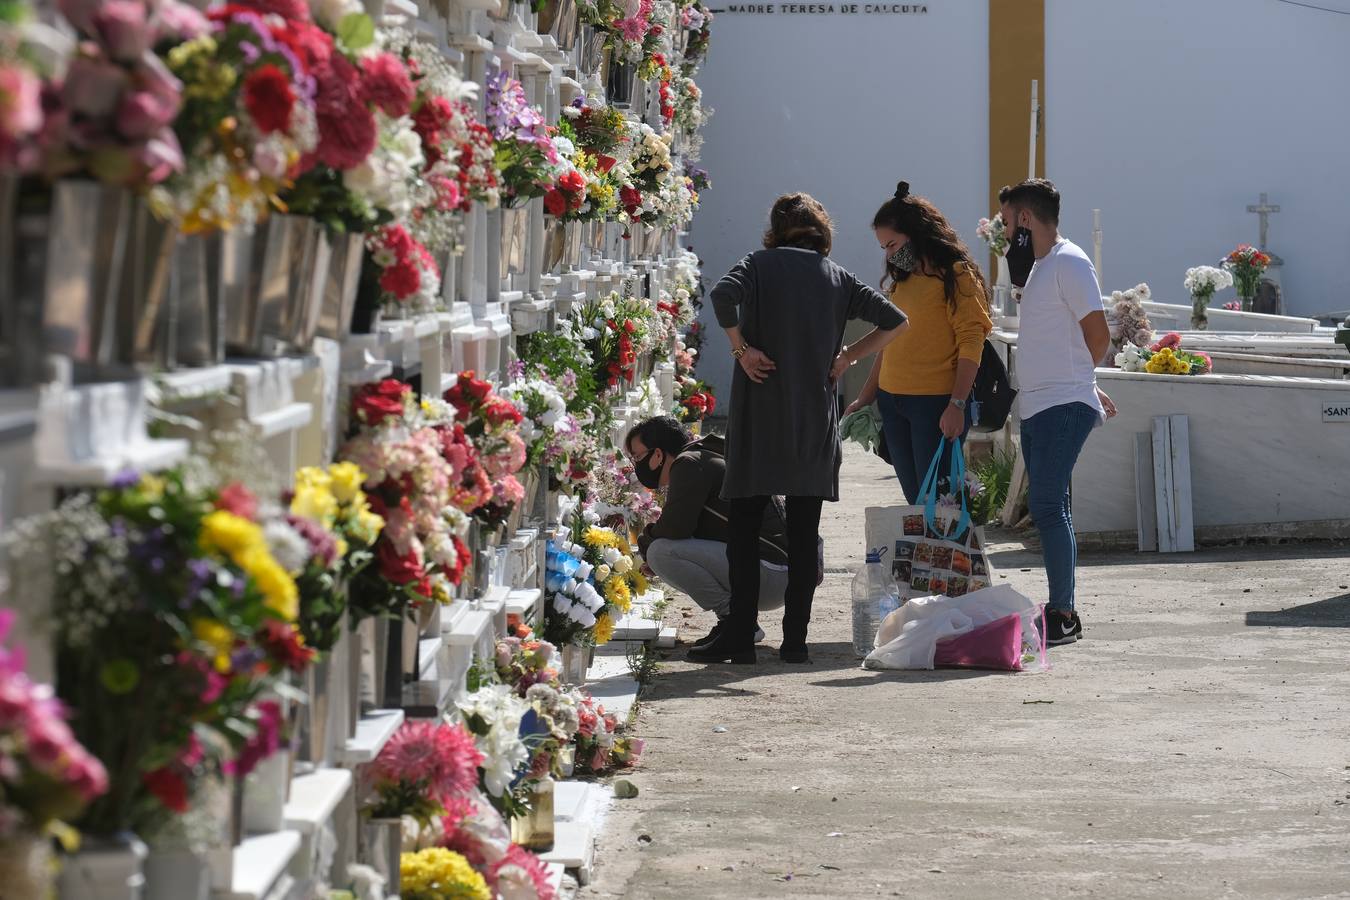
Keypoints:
pixel 1196 744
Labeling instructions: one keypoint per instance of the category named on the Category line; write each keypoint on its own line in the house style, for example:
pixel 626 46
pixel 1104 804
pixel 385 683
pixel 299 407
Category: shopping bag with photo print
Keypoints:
pixel 934 547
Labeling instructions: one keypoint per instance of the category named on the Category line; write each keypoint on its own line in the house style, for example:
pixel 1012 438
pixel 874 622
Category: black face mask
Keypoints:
pixel 904 258
pixel 1020 256
pixel 647 476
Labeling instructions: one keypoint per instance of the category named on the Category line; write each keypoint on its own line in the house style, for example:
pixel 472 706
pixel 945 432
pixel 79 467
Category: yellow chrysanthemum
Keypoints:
pixel 601 537
pixel 617 593
pixel 151 486
pixel 640 583
pixel 346 479
pixel 1165 362
pixel 315 501
pixel 604 628
pixel 278 588
pixel 440 874
pixel 230 535
pixel 218 637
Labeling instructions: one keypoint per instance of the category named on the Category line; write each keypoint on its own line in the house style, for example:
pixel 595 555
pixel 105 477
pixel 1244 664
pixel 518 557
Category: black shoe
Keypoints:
pixel 1060 629
pixel 723 650
pixel 718 629
pixel 794 654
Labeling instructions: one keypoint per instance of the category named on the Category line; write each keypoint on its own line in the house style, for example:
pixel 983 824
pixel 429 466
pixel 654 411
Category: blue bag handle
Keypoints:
pixel 928 491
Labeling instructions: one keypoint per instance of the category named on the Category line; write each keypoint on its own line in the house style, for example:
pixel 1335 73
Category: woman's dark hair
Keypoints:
pixel 936 243
pixel 661 433
pixel 798 220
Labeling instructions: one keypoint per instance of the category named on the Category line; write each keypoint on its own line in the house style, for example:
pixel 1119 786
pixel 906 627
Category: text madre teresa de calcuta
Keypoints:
pixel 824 9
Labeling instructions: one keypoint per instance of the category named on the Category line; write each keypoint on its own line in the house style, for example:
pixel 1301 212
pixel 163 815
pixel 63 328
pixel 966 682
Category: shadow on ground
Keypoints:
pixel 1333 612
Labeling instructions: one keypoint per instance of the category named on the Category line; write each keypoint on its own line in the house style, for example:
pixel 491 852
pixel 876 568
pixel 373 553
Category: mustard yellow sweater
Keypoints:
pixel 922 360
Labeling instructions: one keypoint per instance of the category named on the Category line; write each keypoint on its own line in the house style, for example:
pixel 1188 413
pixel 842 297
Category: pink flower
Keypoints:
pixel 123 29
pixel 49 739
pixel 632 30
pixel 521 875
pixel 142 114
pixel 20 103
pixel 93 87
pixel 386 84
pixel 266 739
pixel 86 776
pixel 1170 340
pixel 179 22
pixel 442 757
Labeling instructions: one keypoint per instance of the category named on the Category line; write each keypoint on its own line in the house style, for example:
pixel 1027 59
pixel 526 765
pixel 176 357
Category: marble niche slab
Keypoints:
pixel 1269 455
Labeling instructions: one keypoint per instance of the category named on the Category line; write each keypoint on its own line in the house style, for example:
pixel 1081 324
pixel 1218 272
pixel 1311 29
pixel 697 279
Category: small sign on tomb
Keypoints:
pixel 1336 412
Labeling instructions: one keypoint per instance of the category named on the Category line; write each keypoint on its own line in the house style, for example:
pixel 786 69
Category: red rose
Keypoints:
pixel 402 279
pixel 712 403
pixel 476 389
pixel 499 411
pixel 605 163
pixel 397 239
pixel 374 403
pixel 398 569
pixel 629 327
pixel 285 646
pixel 631 198
pixel 555 202
pixel 385 83
pixel 347 131
pixel 311 44
pixel 268 98
pixel 290 10
pixel 573 182
pixel 430 121
pixel 236 498
pixel 168 787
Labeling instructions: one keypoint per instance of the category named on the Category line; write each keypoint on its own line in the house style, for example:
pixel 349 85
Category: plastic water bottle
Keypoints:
pixel 873 591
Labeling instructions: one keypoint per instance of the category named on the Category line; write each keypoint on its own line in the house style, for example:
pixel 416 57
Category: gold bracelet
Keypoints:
pixel 738 352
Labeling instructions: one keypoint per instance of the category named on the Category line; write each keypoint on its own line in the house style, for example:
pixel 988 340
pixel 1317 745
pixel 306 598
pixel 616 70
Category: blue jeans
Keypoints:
pixel 910 423
pixel 1051 442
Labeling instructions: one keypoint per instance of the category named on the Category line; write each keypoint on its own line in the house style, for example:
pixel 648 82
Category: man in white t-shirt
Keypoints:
pixel 1062 335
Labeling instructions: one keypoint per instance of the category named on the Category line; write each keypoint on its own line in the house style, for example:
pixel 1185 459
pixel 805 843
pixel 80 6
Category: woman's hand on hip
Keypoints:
pixel 952 423
pixel 756 365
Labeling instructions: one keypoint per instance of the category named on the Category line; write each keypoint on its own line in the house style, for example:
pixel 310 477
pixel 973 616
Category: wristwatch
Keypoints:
pixel 959 404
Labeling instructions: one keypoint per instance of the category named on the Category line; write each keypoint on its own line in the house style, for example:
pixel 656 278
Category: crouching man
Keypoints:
pixel 687 547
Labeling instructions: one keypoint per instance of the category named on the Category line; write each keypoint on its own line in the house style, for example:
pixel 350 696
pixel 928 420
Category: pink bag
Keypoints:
pixel 997 645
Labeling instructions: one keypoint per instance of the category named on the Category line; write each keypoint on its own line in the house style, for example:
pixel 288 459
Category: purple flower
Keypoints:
pixel 245 658
pixel 251 52
pixel 127 478
pixel 322 544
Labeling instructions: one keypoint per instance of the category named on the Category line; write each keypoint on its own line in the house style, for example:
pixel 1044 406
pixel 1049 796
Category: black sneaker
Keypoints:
pixel 716 630
pixel 723 651
pixel 1061 629
pixel 798 654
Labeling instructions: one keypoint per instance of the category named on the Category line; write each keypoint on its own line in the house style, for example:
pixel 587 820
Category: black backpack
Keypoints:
pixel 992 396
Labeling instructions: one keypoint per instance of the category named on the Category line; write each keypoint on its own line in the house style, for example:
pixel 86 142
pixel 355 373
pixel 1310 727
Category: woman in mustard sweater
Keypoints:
pixel 921 382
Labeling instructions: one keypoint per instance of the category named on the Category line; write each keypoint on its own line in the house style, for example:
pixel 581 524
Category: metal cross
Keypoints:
pixel 1263 209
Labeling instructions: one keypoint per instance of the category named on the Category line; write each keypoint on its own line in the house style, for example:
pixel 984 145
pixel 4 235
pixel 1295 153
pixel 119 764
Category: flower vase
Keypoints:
pixel 26 865
pixel 342 282
pixel 560 19
pixel 1247 301
pixel 1200 312
pixel 265 793
pixel 318 712
pixel 104 869
pixel 592 50
pixel 1003 297
pixel 382 846
pixel 576 661
pixel 535 829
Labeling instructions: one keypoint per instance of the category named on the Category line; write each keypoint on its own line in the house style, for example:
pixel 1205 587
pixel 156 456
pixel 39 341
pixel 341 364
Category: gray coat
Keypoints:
pixel 783 435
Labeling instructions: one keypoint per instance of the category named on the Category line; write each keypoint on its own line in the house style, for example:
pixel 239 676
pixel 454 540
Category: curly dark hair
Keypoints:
pixel 935 242
pixel 799 220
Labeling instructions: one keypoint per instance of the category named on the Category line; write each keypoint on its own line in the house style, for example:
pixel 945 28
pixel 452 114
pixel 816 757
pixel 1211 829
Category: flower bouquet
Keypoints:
pixel 1247 265
pixel 525 152
pixel 401 271
pixel 632 30
pixel 46 776
pixel 697 19
pixel 1201 283
pixel 421 770
pixel 994 234
pixel 21 88
pixel 614 330
pixel 492 423
pixel 544 417
pixel 1165 357
pixel 694 400
pixel 174 617
pixel 1129 322
pixel 422 478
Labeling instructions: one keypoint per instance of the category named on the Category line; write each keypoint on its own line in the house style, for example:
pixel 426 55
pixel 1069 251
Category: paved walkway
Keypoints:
pixel 1195 744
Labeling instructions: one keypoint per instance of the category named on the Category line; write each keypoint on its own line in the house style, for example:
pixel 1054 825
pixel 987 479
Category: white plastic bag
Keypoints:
pixel 908 637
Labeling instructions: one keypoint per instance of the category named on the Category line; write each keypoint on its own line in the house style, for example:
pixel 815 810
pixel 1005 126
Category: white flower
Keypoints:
pixel 612 556
pixel 623 566
pixel 584 571
pixel 602 573
pixel 367 884
pixel 287 545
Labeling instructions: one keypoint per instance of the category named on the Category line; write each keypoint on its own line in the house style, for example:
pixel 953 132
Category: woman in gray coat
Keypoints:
pixel 784 309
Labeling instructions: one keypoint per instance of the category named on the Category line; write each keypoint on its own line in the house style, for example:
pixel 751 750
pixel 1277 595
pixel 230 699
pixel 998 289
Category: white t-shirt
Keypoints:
pixel 1054 366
